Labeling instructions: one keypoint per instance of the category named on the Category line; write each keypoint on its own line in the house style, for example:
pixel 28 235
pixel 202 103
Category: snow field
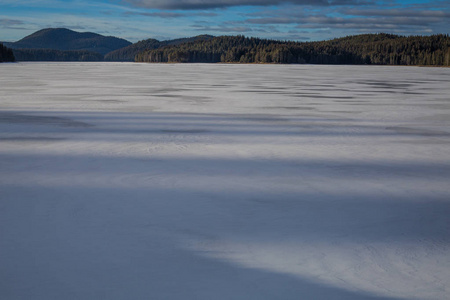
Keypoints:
pixel 121 180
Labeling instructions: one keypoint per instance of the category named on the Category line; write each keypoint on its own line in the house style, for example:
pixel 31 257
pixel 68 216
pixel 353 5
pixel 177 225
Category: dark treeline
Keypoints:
pixel 128 53
pixel 6 54
pixel 381 49
pixel 56 55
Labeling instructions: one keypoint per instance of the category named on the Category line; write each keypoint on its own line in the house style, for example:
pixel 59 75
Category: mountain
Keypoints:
pixel 65 39
pixel 6 54
pixel 128 53
pixel 382 49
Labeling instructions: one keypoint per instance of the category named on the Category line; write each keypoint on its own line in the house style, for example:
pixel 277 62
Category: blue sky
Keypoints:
pixel 301 20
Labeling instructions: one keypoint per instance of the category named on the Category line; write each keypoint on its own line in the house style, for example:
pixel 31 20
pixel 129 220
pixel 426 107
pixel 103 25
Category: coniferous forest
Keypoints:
pixel 377 49
pixel 128 53
pixel 56 55
pixel 6 54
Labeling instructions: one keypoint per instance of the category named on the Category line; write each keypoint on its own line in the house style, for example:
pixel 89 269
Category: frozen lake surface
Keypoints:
pixel 147 181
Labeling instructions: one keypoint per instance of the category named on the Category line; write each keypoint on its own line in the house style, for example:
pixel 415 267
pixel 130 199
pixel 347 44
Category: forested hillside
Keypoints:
pixel 382 49
pixel 65 39
pixel 128 53
pixel 6 54
pixel 56 55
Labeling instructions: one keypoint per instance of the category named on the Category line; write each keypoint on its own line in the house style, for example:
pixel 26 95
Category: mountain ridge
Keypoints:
pixel 61 44
pixel 129 53
pixel 65 39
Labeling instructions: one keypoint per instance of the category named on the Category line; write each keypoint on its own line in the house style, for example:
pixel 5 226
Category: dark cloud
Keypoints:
pixel 274 20
pixel 160 14
pixel 297 36
pixel 225 29
pixel 10 23
pixel 411 21
pixel 68 26
pixel 431 5
pixel 360 19
pixel 369 24
pixel 269 29
pixel 207 4
pixel 398 13
pixel 206 14
pixel 170 15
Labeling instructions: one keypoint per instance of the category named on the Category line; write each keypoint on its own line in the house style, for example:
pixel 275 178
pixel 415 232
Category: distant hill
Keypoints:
pixel 382 49
pixel 128 53
pixel 65 39
pixel 6 54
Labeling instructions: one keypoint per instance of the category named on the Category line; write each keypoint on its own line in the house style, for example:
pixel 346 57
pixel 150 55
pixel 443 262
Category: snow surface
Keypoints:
pixel 148 181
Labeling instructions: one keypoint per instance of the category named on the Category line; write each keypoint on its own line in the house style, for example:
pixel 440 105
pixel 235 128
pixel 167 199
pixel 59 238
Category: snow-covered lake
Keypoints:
pixel 147 181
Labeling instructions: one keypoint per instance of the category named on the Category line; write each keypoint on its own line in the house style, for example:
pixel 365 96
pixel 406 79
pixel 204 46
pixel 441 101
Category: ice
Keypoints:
pixel 211 181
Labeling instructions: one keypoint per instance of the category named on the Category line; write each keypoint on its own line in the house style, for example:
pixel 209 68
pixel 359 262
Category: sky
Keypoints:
pixel 298 20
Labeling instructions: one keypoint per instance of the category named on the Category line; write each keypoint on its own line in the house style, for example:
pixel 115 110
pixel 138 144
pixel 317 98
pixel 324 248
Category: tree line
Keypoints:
pixel 56 55
pixel 128 53
pixel 378 49
pixel 6 54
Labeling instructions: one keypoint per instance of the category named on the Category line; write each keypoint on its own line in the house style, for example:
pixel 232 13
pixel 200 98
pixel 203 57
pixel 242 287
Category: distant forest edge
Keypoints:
pixel 129 53
pixel 60 44
pixel 377 49
pixel 56 55
pixel 6 54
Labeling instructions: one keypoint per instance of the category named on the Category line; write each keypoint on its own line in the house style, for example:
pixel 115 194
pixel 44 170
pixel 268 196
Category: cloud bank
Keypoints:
pixel 208 4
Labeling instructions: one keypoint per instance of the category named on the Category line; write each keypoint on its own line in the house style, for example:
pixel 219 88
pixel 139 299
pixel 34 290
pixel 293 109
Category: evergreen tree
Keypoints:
pixel 6 54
